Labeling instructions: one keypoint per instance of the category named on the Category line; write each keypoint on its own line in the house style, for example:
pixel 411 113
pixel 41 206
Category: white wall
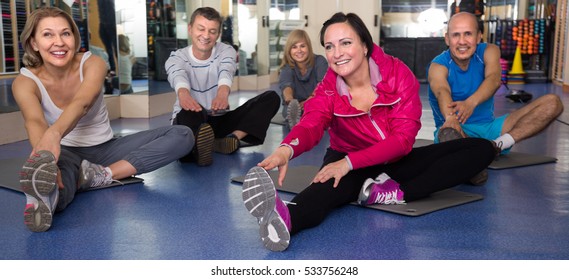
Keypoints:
pixel 131 21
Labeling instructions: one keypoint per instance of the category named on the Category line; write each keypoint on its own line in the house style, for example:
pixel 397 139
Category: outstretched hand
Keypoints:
pixel 187 102
pixel 279 158
pixel 452 122
pixel 462 109
pixel 219 103
pixel 336 170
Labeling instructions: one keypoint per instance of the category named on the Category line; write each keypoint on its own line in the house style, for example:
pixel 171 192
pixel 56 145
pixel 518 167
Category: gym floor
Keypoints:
pixel 186 212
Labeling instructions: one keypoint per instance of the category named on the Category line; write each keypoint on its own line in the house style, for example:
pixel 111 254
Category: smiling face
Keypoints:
pixel 345 51
pixel 204 34
pixel 299 52
pixel 462 37
pixel 54 40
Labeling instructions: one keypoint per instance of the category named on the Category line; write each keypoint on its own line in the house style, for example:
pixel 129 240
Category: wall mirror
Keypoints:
pixel 115 35
pixel 246 36
pixel 132 46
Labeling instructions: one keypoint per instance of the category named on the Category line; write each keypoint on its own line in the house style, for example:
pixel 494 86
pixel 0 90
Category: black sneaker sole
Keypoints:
pixel 259 196
pixel 226 145
pixel 38 180
pixel 204 145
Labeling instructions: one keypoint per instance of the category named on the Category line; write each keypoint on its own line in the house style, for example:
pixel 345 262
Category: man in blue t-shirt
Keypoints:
pixel 462 83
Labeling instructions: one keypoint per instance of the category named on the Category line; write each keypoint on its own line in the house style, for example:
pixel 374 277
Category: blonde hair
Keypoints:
pixel 297 35
pixel 32 58
pixel 124 43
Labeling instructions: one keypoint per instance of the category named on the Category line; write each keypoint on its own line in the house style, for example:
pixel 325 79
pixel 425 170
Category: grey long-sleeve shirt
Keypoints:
pixel 201 77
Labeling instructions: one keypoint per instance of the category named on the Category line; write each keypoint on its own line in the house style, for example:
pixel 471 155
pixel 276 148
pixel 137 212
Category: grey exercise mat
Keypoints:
pixel 299 177
pixel 436 201
pixel 422 142
pixel 516 159
pixel 278 119
pixel 10 170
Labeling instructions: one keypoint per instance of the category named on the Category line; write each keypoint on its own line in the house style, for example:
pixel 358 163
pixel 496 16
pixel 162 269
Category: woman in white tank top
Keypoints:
pixel 60 94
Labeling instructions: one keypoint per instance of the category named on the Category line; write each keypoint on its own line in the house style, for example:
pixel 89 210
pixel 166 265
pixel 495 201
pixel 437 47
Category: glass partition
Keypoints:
pixel 247 22
pixel 132 46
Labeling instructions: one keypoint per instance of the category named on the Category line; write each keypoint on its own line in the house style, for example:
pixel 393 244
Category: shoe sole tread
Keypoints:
pixel 38 180
pixel 259 195
pixel 226 145
pixel 293 113
pixel 204 145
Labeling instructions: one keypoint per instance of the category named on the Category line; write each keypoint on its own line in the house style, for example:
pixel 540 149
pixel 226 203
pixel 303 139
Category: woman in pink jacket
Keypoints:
pixel 369 104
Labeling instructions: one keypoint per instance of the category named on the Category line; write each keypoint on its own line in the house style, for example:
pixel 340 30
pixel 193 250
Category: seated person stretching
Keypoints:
pixel 301 70
pixel 462 83
pixel 60 94
pixel 201 75
pixel 369 104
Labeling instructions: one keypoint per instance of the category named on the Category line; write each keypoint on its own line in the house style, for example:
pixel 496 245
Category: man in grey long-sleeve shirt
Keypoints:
pixel 201 75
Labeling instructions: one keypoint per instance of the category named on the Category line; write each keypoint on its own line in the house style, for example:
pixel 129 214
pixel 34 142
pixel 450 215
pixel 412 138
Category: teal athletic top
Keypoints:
pixel 463 84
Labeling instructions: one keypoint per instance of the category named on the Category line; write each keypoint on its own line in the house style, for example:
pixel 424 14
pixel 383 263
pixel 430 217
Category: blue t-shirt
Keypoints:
pixel 463 84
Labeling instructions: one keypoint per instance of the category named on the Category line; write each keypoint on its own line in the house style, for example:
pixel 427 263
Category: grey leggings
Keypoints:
pixel 146 151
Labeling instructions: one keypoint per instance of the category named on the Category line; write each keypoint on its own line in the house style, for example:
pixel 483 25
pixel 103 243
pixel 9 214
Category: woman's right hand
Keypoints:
pixel 279 158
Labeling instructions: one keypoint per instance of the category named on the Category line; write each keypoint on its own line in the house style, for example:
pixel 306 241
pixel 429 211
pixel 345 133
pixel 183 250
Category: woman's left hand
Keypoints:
pixel 335 170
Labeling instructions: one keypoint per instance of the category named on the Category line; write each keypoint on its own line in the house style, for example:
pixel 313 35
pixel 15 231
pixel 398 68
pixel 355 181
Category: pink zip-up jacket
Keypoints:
pixel 384 134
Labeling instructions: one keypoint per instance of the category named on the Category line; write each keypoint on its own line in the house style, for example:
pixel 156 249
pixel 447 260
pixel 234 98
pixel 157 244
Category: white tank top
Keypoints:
pixel 92 129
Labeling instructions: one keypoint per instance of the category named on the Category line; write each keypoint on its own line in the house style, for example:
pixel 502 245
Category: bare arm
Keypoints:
pixel 285 83
pixel 288 95
pixel 492 75
pixel 94 72
pixel 441 89
pixel 27 96
pixel 488 87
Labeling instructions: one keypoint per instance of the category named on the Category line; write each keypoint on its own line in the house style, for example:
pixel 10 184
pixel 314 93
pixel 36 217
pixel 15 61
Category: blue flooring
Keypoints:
pixel 182 211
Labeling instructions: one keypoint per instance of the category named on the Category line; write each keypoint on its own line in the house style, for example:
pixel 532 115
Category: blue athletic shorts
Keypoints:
pixel 490 131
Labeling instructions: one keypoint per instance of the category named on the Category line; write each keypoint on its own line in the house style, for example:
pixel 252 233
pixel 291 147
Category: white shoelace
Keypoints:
pixel 388 198
pixel 103 179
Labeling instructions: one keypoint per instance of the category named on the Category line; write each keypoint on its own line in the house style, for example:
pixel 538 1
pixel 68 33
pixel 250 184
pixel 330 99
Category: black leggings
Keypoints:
pixel 423 171
pixel 253 117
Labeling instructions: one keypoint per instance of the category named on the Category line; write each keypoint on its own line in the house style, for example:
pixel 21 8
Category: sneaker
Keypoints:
pixel 448 133
pixel 497 149
pixel 38 182
pixel 293 113
pixel 479 179
pixel 204 145
pixel 93 176
pixel 262 201
pixel 226 145
pixel 382 190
